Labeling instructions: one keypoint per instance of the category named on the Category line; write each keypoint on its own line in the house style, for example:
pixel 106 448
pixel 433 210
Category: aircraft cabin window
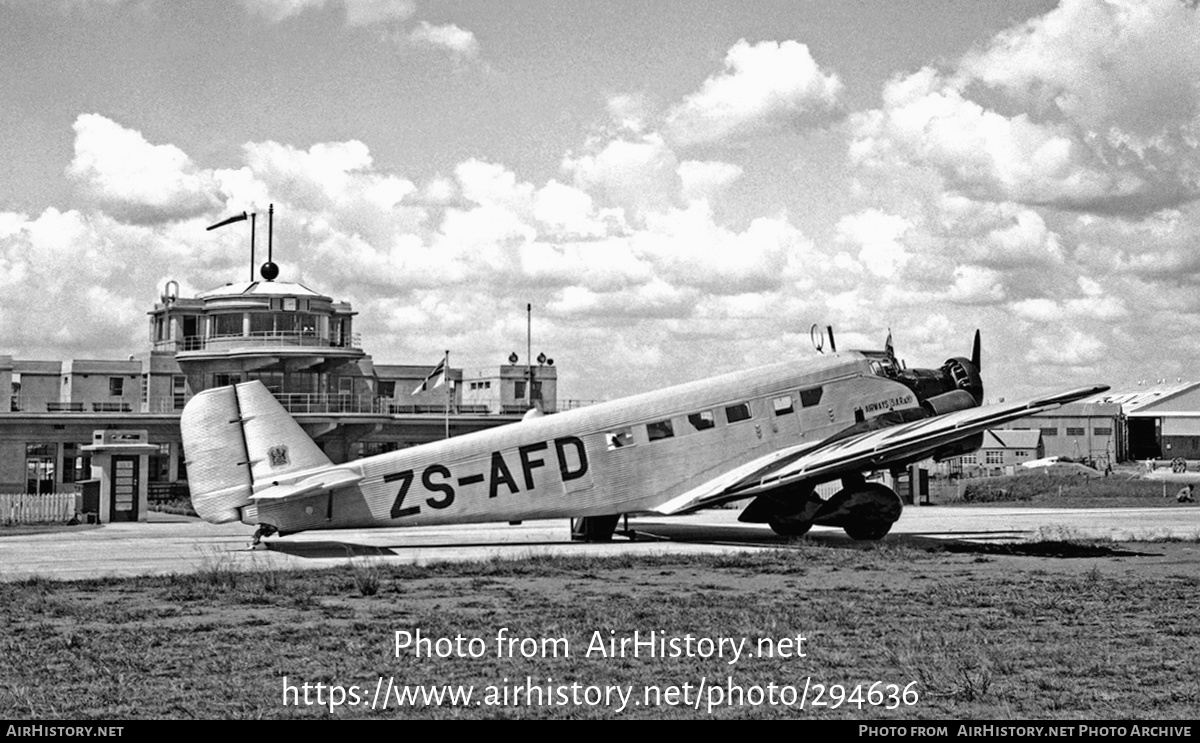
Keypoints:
pixel 659 430
pixel 619 439
pixel 739 412
pixel 811 397
pixel 783 405
pixel 703 420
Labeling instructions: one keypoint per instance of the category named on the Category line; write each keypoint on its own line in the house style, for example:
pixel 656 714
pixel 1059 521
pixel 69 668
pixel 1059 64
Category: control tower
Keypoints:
pixel 296 341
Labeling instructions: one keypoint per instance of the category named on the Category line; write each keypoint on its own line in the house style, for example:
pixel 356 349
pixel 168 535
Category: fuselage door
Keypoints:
pixel 784 410
pixel 573 465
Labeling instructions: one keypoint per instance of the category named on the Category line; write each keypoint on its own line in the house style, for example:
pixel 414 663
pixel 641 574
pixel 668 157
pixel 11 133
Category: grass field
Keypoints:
pixel 970 635
pixel 1056 491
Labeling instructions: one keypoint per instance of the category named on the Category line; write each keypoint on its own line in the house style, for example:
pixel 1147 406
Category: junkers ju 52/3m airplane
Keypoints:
pixel 771 434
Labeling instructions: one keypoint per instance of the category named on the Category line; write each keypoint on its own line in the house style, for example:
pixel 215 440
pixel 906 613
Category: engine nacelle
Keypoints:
pixel 948 402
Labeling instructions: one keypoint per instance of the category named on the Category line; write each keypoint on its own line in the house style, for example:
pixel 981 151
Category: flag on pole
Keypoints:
pixel 438 374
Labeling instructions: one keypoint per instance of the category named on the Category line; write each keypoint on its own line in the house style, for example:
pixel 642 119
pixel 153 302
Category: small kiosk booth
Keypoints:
pixel 121 458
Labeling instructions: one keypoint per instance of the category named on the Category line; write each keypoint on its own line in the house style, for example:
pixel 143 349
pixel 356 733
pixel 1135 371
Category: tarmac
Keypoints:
pixel 175 544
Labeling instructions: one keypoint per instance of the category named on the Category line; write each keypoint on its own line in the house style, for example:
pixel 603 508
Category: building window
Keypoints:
pixel 388 389
pixel 1021 454
pixel 703 420
pixel 1049 431
pixel 337 334
pixel 221 380
pixel 969 459
pixel 1103 431
pixel 739 412
pixel 39 467
pixel 1076 431
pixel 519 389
pixel 76 464
pixel 993 457
pixel 227 324
pixel 178 392
pixel 659 430
pixel 116 386
pixel 783 405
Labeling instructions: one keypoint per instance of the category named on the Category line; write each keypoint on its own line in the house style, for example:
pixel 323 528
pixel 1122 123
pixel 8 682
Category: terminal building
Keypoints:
pixel 298 342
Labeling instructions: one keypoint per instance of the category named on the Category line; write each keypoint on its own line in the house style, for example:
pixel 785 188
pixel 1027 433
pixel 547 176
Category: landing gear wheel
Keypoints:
pixel 867 532
pixel 263 530
pixel 594 528
pixel 789 527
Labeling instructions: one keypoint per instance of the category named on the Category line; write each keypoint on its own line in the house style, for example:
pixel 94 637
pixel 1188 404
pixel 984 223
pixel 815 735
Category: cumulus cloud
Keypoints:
pixel 1094 106
pixel 358 12
pixel 877 237
pixel 766 88
pixel 705 179
pixel 1123 67
pixel 976 285
pixel 1069 348
pixel 118 169
pixel 637 174
pixel 459 42
pixel 76 282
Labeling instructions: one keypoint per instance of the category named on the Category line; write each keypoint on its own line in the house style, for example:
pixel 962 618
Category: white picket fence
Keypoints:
pixel 29 508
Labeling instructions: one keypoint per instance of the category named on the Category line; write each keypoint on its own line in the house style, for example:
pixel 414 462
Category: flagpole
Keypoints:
pixel 528 353
pixel 446 373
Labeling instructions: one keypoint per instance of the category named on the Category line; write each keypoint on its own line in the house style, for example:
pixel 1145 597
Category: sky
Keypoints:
pixel 677 188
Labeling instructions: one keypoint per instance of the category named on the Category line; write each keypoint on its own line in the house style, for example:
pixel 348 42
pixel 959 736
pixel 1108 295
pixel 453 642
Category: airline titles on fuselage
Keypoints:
pixel 888 404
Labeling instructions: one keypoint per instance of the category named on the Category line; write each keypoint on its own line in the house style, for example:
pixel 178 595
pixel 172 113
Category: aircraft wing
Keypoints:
pixel 872 450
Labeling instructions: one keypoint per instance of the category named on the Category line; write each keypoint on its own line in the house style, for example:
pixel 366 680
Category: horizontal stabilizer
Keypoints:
pixel 325 480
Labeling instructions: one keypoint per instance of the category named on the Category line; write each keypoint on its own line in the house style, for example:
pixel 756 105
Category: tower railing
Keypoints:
pixel 262 339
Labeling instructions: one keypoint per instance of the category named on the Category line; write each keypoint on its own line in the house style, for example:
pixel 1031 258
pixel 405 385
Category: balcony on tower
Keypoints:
pixel 297 341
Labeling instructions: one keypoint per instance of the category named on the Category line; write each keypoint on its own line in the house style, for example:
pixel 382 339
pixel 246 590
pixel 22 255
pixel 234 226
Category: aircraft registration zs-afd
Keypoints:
pixel 772 434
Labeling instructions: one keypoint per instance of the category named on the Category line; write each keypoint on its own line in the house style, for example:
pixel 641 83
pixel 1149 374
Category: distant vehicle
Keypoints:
pixel 771 434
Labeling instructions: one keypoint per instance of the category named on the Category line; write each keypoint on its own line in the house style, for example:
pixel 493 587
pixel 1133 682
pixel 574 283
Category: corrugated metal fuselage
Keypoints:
pixel 623 456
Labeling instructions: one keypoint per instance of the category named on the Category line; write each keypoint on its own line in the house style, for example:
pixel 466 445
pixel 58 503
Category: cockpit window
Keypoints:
pixel 783 405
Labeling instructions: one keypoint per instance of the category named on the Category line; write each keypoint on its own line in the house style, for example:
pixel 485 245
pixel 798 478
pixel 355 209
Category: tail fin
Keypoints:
pixel 237 440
